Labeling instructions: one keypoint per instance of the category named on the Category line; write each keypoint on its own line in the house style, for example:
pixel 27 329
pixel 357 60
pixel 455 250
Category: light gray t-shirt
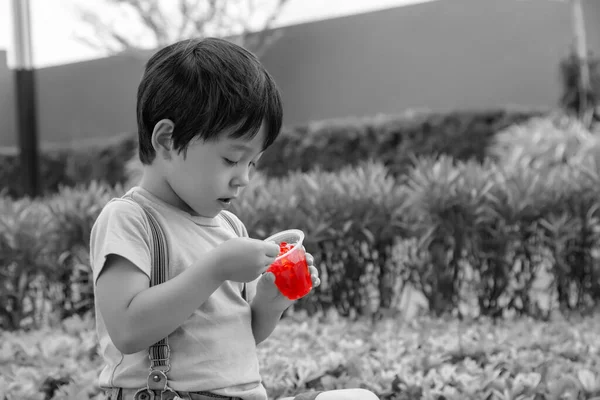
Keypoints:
pixel 214 350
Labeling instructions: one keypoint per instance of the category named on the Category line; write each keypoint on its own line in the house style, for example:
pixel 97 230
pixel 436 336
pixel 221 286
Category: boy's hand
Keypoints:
pixel 243 259
pixel 269 296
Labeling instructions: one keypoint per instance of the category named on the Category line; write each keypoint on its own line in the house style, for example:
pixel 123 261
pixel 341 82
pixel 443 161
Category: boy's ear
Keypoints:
pixel 162 140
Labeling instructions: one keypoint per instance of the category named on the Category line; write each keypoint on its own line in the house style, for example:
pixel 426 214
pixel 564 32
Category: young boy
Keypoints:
pixel 206 111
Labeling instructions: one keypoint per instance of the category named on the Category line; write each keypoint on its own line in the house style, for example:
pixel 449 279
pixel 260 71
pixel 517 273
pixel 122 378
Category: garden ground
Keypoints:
pixel 421 358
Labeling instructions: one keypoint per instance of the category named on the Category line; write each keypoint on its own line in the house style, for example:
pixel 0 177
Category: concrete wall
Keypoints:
pixel 8 115
pixel 79 102
pixel 92 99
pixel 446 54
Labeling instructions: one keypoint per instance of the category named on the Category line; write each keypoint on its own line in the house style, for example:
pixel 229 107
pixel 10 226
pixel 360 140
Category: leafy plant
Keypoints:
pixel 423 358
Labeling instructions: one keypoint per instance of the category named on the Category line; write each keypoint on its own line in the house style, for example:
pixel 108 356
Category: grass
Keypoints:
pixel 421 358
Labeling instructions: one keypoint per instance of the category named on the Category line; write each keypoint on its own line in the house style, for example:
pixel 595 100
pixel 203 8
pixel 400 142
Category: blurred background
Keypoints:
pixel 441 156
pixel 331 60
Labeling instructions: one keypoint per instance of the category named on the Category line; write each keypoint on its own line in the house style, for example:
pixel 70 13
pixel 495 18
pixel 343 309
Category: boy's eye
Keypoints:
pixel 232 163
pixel 229 162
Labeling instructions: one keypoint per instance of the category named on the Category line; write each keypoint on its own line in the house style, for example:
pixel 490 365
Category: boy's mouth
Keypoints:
pixel 225 200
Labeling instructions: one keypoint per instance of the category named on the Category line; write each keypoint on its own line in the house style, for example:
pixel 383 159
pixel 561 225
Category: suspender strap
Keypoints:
pixel 159 352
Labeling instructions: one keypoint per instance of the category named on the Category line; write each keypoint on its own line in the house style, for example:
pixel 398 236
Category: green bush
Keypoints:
pixel 70 167
pixel 469 236
pixel 545 142
pixel 421 359
pixel 25 259
pixel 44 255
pixel 328 145
pixel 492 230
pixel 334 144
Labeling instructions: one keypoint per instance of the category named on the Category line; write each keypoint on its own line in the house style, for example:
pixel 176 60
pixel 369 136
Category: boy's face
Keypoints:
pixel 212 174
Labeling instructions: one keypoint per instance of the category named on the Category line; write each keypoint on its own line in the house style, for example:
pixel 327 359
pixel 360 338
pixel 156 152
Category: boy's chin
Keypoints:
pixel 208 215
pixel 205 212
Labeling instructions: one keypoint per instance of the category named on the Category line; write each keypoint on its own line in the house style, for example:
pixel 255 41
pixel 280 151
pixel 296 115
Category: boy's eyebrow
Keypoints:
pixel 239 146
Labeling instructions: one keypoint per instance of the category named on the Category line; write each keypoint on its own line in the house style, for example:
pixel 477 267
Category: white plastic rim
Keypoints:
pixel 289 236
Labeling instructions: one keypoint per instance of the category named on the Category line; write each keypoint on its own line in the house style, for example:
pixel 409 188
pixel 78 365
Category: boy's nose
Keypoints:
pixel 242 179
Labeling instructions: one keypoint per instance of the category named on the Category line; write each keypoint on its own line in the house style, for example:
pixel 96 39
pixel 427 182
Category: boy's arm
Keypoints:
pixel 136 315
pixel 264 321
pixel 267 305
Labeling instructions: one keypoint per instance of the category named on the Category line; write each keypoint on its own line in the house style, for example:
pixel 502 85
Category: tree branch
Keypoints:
pixel 199 23
pixel 195 18
pixel 152 17
pixel 184 10
pixel 260 41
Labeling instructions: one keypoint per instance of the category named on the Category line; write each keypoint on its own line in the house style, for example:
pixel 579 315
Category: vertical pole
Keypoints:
pixel 26 97
pixel 582 59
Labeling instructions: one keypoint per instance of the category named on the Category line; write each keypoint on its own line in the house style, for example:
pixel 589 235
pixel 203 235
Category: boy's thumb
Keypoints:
pixel 269 276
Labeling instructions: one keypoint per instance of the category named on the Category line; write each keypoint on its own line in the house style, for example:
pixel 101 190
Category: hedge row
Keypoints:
pixel 465 234
pixel 392 140
pixel 328 144
pixel 70 167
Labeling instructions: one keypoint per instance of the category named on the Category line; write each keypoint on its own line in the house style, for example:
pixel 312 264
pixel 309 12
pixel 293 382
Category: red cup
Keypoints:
pixel 292 275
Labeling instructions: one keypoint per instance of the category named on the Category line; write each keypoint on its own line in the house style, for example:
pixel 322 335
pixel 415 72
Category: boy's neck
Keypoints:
pixel 155 183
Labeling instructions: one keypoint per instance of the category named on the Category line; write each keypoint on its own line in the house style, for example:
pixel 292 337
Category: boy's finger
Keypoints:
pixel 269 276
pixel 310 260
pixel 271 249
pixel 315 281
pixel 313 270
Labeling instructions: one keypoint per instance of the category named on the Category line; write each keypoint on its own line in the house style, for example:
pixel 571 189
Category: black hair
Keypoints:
pixel 206 86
